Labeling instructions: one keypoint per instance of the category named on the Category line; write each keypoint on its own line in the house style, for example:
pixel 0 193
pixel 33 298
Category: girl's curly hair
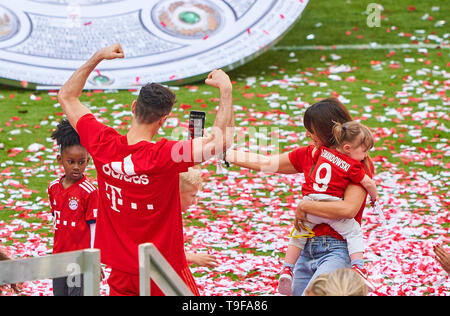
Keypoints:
pixel 65 135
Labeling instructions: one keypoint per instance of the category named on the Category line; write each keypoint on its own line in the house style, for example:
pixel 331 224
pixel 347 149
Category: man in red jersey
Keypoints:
pixel 138 180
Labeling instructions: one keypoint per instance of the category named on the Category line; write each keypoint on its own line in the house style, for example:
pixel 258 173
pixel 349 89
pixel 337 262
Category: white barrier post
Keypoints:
pixel 91 274
pixel 152 265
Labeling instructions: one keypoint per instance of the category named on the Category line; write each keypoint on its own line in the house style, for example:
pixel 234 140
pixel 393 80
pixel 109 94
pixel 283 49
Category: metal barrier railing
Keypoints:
pixel 55 266
pixel 152 265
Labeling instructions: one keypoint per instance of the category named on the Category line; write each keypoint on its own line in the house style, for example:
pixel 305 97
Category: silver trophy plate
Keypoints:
pixel 42 42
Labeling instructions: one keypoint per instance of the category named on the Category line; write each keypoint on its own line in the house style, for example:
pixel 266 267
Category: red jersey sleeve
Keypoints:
pixel 93 133
pixel 50 199
pixel 356 173
pixel 91 208
pixel 51 194
pixel 167 156
pixel 298 156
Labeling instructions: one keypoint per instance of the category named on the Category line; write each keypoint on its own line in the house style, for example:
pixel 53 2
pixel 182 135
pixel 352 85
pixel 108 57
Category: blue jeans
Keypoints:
pixel 322 254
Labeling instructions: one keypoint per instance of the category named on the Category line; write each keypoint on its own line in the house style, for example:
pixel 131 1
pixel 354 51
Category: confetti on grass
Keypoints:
pixel 244 217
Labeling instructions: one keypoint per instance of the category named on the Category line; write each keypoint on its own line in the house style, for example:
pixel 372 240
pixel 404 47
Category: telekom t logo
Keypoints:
pixel 115 196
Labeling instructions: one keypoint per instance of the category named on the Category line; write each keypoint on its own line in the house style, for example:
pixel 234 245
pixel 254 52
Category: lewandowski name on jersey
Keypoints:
pixel 335 160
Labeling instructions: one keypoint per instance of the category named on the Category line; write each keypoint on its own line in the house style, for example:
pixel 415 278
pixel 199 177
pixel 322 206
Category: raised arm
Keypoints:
pixel 222 133
pixel 266 163
pixel 70 92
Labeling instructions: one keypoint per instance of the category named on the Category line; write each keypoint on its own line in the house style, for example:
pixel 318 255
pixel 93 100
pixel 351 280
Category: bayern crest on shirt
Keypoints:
pixel 74 202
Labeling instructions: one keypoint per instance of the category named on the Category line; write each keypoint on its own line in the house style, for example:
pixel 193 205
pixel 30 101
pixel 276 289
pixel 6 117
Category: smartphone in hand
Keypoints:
pixel 196 124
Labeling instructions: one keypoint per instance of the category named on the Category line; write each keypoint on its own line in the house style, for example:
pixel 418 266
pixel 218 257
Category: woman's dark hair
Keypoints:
pixel 65 135
pixel 154 102
pixel 320 118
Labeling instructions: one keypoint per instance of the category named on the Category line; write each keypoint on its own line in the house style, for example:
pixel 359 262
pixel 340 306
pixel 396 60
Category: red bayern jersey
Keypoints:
pixel 73 209
pixel 303 161
pixel 139 195
pixel 332 173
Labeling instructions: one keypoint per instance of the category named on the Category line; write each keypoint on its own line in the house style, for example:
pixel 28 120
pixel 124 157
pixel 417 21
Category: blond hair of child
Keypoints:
pixel 351 132
pixel 190 179
pixel 341 282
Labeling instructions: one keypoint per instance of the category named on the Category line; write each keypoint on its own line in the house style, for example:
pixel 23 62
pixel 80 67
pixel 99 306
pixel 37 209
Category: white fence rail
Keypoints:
pixel 55 266
pixel 152 266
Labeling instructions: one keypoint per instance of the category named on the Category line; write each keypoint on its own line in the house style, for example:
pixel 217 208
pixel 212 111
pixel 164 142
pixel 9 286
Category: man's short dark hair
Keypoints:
pixel 154 102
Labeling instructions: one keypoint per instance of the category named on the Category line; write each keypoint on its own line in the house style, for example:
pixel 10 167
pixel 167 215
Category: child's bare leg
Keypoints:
pixel 292 254
pixel 357 258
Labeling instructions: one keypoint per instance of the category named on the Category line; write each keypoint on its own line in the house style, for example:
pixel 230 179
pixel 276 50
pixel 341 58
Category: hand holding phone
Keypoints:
pixel 196 124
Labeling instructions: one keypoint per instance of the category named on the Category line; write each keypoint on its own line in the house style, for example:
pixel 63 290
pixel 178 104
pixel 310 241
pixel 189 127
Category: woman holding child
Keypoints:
pixel 327 250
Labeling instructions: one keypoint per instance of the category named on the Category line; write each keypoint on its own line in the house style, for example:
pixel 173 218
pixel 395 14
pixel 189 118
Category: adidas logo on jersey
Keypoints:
pixel 124 170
